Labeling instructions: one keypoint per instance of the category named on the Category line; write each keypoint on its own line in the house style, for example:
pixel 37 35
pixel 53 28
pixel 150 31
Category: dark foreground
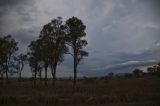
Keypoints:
pixel 110 92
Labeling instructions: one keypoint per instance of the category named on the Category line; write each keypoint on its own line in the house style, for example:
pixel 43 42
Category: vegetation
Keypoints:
pixel 95 92
pixel 8 48
pixel 151 71
pixel 47 51
pixel 53 36
pixel 20 61
pixel 76 30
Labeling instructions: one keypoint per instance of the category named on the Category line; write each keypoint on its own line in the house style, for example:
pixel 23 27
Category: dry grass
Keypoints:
pixel 111 92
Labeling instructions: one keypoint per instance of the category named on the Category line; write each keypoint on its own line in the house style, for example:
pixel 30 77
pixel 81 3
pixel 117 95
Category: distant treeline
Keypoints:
pixel 150 71
pixel 56 39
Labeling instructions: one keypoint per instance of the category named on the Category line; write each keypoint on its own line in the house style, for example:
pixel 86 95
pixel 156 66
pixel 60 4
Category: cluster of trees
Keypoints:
pixel 10 62
pixel 151 71
pixel 56 39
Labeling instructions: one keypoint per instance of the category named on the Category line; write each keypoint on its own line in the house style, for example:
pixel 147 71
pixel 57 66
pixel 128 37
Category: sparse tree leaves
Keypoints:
pixel 8 48
pixel 76 31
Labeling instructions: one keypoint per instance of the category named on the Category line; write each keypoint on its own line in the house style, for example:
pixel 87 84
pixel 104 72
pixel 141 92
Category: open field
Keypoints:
pixel 94 92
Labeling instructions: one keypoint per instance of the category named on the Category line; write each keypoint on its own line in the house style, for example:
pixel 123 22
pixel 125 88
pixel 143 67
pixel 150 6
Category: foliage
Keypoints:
pixel 111 74
pixel 8 48
pixel 20 61
pixel 137 72
pixel 53 39
pixel 75 33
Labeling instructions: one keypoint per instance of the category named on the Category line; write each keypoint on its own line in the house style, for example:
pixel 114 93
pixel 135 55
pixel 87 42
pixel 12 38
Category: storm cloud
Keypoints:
pixel 118 31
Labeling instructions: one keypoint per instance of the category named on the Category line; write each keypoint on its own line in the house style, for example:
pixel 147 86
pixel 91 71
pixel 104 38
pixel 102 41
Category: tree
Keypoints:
pixel 34 57
pixel 53 38
pixel 110 75
pixel 150 70
pixel 8 49
pixel 137 72
pixel 45 54
pixel 76 31
pixel 2 55
pixel 158 70
pixel 20 62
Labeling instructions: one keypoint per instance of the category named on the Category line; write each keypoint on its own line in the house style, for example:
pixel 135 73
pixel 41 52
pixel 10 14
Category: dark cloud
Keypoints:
pixel 9 5
pixel 118 31
pixel 25 36
pixel 4 3
pixel 126 67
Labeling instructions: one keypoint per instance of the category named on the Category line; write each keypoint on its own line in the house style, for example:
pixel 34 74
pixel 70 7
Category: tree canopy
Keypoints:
pixel 76 32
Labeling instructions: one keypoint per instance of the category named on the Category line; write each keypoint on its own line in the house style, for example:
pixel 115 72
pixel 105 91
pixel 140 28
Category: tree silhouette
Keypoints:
pixel 34 57
pixel 53 38
pixel 20 62
pixel 2 55
pixel 76 31
pixel 150 69
pixel 45 54
pixel 137 72
pixel 111 74
pixel 8 48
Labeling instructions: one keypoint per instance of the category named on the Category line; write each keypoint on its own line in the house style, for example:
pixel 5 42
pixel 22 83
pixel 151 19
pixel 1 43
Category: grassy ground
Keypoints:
pixel 110 92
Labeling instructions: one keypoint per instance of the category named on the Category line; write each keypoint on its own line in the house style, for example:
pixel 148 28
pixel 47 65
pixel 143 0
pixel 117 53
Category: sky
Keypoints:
pixel 122 34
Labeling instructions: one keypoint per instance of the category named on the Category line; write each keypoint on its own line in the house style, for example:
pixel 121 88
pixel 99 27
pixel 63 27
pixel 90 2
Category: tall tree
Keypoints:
pixel 76 31
pixel 45 54
pixel 53 37
pixel 34 57
pixel 8 50
pixel 2 55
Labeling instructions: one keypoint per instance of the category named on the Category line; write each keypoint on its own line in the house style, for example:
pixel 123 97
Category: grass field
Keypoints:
pixel 94 92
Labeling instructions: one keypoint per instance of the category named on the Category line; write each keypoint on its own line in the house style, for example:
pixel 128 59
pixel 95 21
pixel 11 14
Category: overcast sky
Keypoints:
pixel 121 34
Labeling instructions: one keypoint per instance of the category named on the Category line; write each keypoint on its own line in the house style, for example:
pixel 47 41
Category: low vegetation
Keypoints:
pixel 95 92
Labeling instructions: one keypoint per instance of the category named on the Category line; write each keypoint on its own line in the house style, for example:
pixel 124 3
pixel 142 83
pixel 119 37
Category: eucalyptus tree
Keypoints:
pixel 76 32
pixel 8 48
pixel 34 57
pixel 40 56
pixel 20 60
pixel 45 54
pixel 53 38
pixel 2 55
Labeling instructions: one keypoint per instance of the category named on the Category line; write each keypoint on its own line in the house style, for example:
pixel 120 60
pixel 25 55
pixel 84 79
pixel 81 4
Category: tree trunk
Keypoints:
pixel 35 76
pixel 7 74
pixel 46 75
pixel 75 69
pixel 40 75
pixel 54 74
pixel 19 77
pixel 53 71
pixel 1 74
pixel 20 71
pixel 6 68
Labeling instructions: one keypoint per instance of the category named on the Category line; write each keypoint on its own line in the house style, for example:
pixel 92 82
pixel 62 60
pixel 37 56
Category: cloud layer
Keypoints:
pixel 118 31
